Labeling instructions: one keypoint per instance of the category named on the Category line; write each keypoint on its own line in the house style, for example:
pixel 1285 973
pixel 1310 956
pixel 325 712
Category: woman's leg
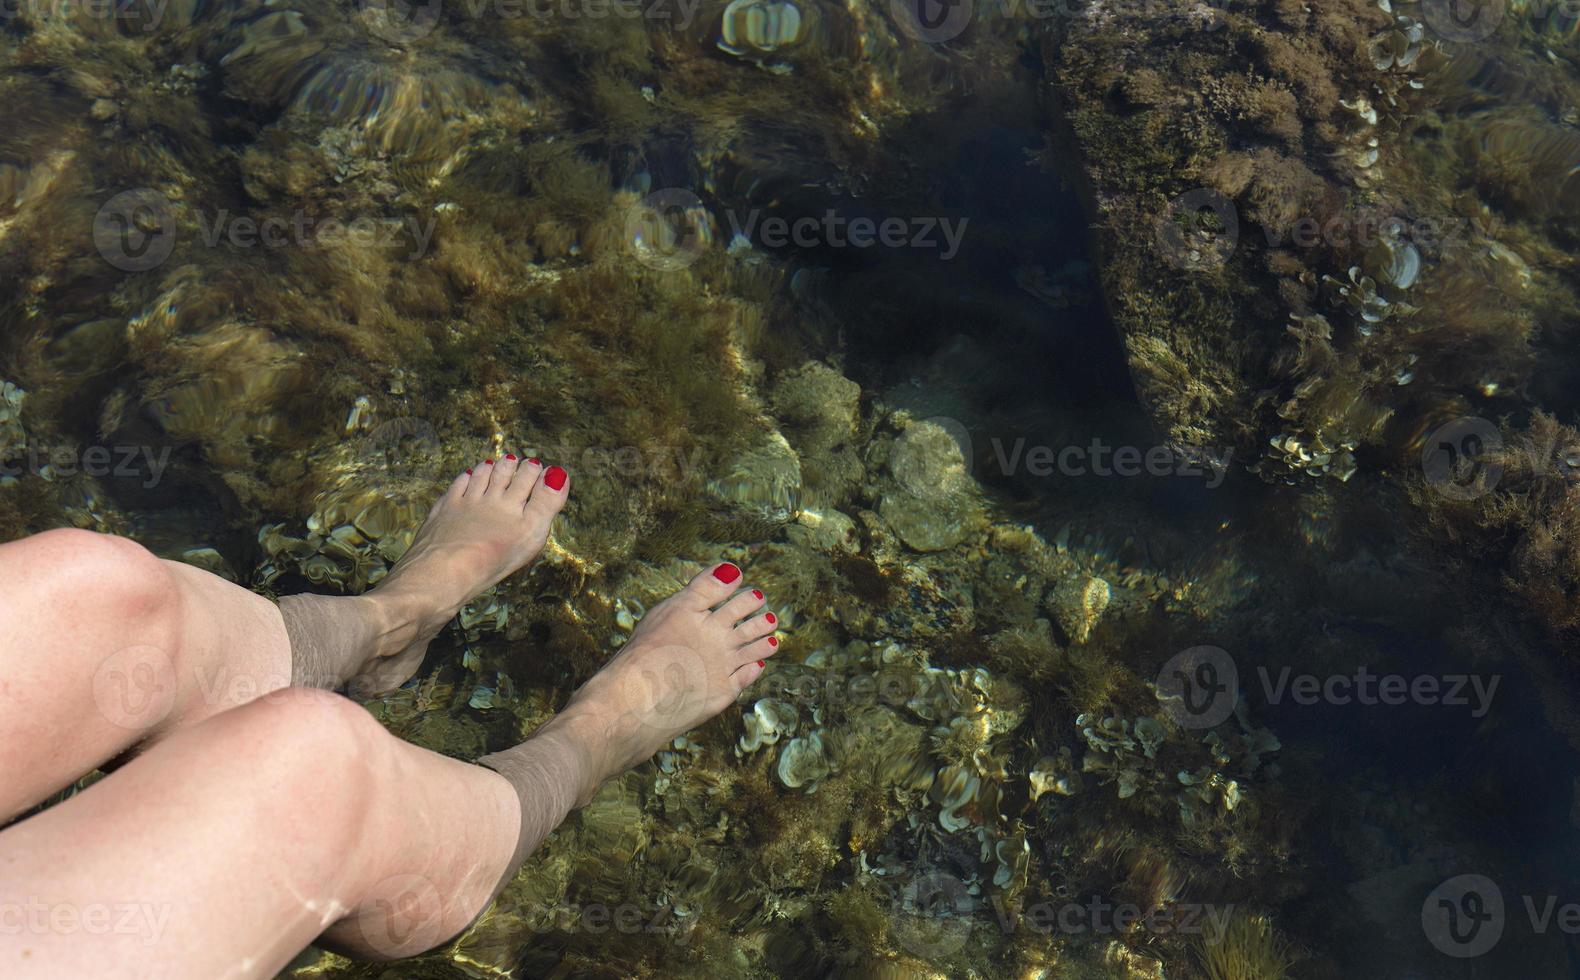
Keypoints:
pixel 229 846
pixel 104 646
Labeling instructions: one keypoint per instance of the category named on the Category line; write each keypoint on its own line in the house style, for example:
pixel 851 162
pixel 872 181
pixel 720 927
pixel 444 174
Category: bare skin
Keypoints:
pixel 133 647
pixel 243 832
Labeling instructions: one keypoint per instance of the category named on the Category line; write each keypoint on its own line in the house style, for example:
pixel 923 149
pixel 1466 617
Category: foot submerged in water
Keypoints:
pixel 492 520
pixel 690 656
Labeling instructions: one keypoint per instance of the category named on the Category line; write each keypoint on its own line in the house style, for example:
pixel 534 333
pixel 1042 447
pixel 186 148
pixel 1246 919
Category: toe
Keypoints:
pixel 740 606
pixel 481 474
pixel 458 486
pixel 757 626
pixel 503 475
pixel 713 586
pixel 760 650
pixel 525 481
pixel 744 676
pixel 548 497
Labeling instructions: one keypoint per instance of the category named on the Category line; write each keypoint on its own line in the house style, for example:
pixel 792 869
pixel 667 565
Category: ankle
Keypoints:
pixel 397 619
pixel 589 737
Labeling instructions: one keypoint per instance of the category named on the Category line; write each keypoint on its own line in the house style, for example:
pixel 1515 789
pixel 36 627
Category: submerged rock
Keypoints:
pixel 931 502
pixel 1078 603
pixel 818 406
pixel 13 439
pixel 764 483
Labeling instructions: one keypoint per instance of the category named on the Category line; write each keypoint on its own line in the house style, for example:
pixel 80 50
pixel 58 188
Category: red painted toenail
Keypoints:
pixel 534 461
pixel 756 594
pixel 773 641
pixel 510 455
pixel 726 573
pixel 762 663
pixel 770 618
pixel 489 462
pixel 468 471
pixel 554 478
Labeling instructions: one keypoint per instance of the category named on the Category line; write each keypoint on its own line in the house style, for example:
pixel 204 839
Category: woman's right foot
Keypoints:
pixel 688 660
pixel 494 519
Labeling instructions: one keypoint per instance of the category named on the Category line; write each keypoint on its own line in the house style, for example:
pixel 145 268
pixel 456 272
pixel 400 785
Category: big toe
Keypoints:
pixel 548 496
pixel 713 586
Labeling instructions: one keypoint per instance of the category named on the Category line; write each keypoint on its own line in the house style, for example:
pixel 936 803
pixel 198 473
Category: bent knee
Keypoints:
pixel 126 582
pixel 319 743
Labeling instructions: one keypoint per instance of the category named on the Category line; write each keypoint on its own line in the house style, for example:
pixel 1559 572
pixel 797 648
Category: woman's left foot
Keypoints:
pixel 494 519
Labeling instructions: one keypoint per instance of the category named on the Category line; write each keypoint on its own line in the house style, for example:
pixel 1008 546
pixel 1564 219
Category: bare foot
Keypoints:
pixel 689 658
pixel 492 520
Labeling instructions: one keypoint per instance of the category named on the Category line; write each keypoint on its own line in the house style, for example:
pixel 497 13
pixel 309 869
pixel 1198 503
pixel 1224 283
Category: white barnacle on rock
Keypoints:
pixel 953 790
pixel 769 720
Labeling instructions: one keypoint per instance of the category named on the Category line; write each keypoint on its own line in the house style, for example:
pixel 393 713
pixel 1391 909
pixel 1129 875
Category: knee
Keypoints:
pixel 125 580
pixel 327 754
